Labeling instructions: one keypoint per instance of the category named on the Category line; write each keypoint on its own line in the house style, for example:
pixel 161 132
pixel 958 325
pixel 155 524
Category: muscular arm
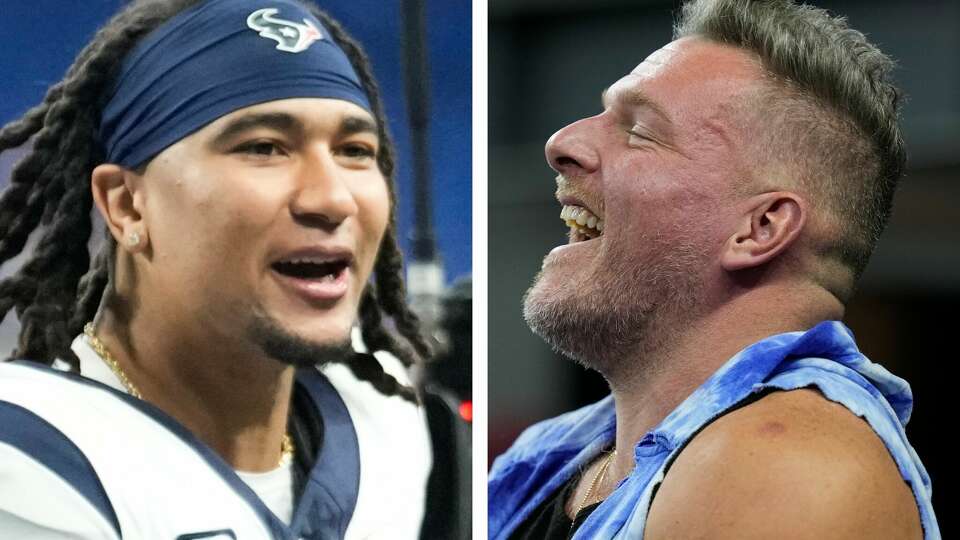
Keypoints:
pixel 791 466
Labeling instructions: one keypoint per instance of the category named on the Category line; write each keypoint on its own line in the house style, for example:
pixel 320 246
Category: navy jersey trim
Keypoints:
pixel 49 447
pixel 330 496
pixel 277 528
pixel 221 534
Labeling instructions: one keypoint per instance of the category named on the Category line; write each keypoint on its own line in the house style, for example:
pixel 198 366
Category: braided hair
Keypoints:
pixel 59 288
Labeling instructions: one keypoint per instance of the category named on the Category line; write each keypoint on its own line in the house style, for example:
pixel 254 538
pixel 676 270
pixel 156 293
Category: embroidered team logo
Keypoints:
pixel 290 36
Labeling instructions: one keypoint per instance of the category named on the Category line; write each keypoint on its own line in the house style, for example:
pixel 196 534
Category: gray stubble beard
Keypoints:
pixel 607 326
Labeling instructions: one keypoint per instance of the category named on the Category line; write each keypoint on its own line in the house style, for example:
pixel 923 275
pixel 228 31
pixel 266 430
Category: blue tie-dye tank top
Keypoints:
pixel 547 455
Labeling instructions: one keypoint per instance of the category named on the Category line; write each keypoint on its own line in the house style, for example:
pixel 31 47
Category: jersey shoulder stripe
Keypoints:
pixel 47 445
pixel 331 496
pixel 120 435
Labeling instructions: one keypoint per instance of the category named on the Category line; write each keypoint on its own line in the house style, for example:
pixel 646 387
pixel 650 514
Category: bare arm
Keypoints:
pixel 791 466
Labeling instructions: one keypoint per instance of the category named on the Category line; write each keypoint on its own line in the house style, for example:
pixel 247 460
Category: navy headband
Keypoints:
pixel 213 59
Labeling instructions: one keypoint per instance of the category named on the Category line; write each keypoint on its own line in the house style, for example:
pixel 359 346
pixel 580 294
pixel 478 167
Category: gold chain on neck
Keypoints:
pixel 287 449
pixel 597 481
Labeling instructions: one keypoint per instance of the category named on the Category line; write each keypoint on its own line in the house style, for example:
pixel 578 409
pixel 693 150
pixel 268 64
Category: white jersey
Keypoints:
pixel 81 460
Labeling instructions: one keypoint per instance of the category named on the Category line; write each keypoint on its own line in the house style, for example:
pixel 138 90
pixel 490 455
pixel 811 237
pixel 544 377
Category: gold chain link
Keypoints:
pixel 287 449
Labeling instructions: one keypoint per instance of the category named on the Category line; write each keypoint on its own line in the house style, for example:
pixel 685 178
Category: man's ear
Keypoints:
pixel 117 194
pixel 770 223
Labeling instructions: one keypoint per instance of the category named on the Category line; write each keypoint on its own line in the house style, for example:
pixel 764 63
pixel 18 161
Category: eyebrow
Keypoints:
pixel 274 120
pixel 352 125
pixel 636 98
pixel 287 123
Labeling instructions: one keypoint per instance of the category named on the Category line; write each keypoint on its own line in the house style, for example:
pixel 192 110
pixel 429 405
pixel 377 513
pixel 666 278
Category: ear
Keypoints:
pixel 770 223
pixel 117 194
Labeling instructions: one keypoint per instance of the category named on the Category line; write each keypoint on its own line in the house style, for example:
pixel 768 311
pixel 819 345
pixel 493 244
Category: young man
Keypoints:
pixel 236 152
pixel 721 208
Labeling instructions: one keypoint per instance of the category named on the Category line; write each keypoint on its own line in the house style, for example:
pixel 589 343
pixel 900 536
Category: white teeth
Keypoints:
pixel 306 260
pixel 581 220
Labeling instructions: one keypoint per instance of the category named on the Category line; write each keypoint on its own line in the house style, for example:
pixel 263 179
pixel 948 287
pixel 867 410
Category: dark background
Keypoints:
pixel 549 61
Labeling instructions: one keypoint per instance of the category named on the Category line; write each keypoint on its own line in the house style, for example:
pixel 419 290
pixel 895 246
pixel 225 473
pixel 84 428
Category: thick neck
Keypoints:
pixel 666 375
pixel 235 399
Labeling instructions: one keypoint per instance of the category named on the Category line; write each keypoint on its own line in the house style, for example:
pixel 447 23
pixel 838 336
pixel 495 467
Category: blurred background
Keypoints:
pixel 549 61
pixel 421 53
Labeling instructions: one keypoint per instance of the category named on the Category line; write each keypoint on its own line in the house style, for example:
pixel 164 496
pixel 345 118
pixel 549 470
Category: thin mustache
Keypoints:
pixel 567 188
pixel 564 187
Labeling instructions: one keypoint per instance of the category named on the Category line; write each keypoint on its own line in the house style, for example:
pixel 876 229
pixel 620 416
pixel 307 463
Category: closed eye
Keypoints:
pixel 636 137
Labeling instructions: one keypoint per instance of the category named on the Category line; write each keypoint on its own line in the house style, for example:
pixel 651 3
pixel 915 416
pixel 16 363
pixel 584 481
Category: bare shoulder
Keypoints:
pixel 792 465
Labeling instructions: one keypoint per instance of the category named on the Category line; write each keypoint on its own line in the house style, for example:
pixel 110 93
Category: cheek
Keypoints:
pixel 201 216
pixel 658 202
pixel 373 205
pixel 176 211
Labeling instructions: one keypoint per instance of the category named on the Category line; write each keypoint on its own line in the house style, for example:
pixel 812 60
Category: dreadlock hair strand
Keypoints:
pixel 376 337
pixel 50 188
pixel 389 278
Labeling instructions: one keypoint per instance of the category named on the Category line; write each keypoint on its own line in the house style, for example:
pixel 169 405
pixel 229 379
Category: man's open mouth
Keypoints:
pixel 584 224
pixel 314 269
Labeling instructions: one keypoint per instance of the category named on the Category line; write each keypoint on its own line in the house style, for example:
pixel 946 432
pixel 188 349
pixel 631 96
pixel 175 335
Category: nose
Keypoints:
pixel 323 197
pixel 571 150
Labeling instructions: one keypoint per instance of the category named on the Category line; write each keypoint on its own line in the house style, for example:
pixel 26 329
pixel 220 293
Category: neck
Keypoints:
pixel 662 376
pixel 233 398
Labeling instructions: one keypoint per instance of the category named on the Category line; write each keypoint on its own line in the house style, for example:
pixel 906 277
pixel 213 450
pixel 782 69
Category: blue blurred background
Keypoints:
pixel 40 38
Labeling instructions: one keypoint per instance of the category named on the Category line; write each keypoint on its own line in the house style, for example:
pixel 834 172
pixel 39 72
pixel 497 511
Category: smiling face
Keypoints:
pixel 644 186
pixel 266 222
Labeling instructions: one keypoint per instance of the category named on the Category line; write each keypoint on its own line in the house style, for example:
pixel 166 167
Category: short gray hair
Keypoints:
pixel 832 108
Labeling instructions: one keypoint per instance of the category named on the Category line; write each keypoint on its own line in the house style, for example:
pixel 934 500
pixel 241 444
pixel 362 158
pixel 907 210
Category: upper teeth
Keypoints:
pixel 578 216
pixel 306 260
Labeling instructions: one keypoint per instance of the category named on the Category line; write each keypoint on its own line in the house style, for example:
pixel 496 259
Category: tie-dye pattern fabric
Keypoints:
pixel 547 455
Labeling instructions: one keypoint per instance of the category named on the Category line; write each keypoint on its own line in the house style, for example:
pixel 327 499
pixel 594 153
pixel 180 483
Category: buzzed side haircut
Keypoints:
pixel 829 112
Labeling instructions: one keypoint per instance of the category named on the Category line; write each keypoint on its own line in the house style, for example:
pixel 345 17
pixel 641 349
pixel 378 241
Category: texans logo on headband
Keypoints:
pixel 290 36
pixel 159 99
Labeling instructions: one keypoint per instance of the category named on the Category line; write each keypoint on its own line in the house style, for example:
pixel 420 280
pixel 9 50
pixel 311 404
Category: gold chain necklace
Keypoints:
pixel 597 480
pixel 286 444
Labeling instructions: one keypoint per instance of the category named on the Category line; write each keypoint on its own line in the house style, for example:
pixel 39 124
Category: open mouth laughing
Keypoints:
pixel 316 274
pixel 311 269
pixel 584 224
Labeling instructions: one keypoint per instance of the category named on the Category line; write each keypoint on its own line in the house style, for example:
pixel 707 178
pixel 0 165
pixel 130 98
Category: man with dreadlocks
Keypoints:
pixel 237 153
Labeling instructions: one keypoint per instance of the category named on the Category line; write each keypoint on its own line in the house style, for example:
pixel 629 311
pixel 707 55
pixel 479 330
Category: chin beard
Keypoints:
pixel 291 349
pixel 608 324
pixel 591 333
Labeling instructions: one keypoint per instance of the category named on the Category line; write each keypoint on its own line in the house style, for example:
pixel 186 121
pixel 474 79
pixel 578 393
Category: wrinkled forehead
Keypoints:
pixel 631 85
pixel 658 60
pixel 688 77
